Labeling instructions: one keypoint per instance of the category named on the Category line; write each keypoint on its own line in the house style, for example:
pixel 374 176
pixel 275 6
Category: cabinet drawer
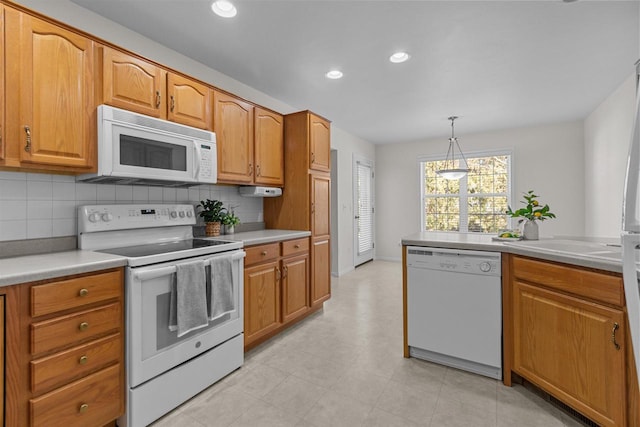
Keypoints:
pixel 92 401
pixel 256 254
pixel 589 284
pixel 294 247
pixel 61 368
pixel 62 331
pixel 72 293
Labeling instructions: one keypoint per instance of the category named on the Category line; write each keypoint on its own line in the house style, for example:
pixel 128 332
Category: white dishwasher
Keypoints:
pixel 454 308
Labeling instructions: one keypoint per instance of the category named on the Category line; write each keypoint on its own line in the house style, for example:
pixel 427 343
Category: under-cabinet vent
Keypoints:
pixel 560 405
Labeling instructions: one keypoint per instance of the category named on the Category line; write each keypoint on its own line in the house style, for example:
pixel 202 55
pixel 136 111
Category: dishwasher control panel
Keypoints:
pixel 458 260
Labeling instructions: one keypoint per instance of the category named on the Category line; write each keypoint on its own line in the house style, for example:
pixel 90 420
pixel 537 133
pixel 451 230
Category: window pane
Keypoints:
pixel 482 206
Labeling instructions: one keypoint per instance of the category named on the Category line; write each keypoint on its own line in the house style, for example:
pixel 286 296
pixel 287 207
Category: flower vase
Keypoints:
pixel 229 229
pixel 530 230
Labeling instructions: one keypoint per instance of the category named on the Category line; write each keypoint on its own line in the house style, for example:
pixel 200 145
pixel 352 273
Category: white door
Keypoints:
pixel 363 209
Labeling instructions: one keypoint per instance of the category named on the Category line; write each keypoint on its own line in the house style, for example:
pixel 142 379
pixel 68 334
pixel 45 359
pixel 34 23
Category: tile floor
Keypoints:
pixel 343 366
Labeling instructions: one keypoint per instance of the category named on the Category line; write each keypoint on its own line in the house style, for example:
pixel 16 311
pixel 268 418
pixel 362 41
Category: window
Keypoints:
pixel 475 203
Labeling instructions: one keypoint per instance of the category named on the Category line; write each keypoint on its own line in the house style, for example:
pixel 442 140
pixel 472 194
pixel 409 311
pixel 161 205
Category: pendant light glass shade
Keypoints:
pixel 450 170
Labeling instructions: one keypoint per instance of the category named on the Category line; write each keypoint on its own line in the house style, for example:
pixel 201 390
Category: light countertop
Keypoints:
pixel 482 242
pixel 47 266
pixel 258 237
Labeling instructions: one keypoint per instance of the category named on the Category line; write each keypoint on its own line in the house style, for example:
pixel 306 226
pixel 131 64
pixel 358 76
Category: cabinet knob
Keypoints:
pixel 83 292
pixel 83 360
pixel 83 408
pixel 296 246
pixel 83 326
pixel 263 253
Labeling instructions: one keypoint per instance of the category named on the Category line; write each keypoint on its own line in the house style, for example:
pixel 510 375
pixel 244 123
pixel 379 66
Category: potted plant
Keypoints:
pixel 531 213
pixel 213 213
pixel 230 221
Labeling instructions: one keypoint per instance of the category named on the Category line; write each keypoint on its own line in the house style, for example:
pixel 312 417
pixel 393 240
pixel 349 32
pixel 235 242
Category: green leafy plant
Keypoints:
pixel 230 218
pixel 212 210
pixel 532 210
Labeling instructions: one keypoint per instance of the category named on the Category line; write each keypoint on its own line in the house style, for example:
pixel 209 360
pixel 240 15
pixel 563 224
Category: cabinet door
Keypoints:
pixel 134 85
pixel 320 211
pixel 261 300
pixel 189 102
pixel 56 93
pixel 320 272
pixel 319 144
pixel 295 287
pixel 269 148
pixel 2 95
pixel 233 125
pixel 567 346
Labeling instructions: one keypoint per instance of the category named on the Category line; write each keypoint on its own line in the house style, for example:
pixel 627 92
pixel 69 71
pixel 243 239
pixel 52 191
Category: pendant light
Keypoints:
pixel 450 171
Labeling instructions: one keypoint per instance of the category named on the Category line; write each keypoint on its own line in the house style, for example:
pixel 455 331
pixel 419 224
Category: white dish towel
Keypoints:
pixel 222 283
pixel 188 303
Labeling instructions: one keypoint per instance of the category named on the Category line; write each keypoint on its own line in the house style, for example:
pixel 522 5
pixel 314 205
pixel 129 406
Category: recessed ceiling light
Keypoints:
pixel 224 8
pixel 334 74
pixel 398 57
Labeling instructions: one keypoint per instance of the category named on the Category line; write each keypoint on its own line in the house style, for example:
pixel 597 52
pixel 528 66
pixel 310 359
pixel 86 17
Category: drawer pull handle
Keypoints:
pixel 173 103
pixel 158 99
pixel 296 246
pixel 84 408
pixel 83 360
pixel 263 253
pixel 613 335
pixel 83 292
pixel 83 326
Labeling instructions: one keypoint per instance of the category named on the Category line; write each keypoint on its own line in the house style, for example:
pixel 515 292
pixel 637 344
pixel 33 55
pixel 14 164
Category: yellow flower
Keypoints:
pixel 537 214
pixel 534 203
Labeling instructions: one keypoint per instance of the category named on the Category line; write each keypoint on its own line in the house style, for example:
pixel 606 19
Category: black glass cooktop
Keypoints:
pixel 163 248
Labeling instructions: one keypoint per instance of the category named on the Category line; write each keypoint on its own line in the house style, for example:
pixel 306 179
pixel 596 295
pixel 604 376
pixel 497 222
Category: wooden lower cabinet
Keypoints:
pixel 567 338
pixel 261 300
pixel 65 361
pixel 321 272
pixel 276 288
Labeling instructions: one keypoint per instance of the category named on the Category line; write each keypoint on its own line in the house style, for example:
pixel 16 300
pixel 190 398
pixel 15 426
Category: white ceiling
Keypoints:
pixel 496 64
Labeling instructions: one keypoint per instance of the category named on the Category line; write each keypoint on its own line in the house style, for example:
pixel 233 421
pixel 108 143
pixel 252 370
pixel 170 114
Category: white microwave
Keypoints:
pixel 138 149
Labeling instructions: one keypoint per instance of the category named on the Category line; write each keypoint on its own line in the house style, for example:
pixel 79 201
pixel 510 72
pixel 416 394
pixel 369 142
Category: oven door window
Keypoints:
pixel 145 153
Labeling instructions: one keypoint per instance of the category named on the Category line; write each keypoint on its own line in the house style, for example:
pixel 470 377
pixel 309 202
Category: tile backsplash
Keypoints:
pixel 35 205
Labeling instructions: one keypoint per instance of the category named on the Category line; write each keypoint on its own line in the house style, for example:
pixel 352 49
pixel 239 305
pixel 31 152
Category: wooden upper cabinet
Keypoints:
pixel 189 102
pixel 269 148
pixel 319 144
pixel 320 211
pixel 2 96
pixel 132 84
pixel 55 92
pixel 233 125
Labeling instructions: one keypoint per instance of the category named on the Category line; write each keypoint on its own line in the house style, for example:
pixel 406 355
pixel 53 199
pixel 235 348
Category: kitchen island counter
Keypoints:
pixel 608 261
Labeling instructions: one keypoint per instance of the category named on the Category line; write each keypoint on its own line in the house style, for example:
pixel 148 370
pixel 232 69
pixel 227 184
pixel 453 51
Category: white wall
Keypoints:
pixel 607 133
pixel 548 159
pixel 347 145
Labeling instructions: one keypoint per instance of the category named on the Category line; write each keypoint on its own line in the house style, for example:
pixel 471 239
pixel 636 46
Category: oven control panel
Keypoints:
pixel 94 218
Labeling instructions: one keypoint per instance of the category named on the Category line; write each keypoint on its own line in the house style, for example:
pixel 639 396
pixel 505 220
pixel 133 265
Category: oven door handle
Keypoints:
pixel 164 271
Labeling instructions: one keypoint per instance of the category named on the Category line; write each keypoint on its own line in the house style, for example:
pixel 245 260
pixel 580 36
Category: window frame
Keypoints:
pixel 463 186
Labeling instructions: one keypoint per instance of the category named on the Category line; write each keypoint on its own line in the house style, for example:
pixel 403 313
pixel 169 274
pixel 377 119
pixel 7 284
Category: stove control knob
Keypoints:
pixel 485 267
pixel 189 214
pixel 94 217
pixel 106 217
pixel 181 214
pixel 173 214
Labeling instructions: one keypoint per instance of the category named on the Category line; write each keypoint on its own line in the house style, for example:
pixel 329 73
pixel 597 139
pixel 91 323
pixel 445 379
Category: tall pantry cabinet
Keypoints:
pixel 304 204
